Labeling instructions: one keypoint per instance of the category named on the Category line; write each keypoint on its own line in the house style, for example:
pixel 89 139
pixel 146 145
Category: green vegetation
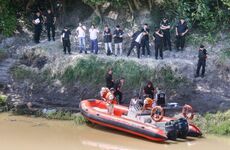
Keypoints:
pixel 93 69
pixel 21 73
pixel 8 21
pixel 3 100
pixel 218 123
pixel 224 56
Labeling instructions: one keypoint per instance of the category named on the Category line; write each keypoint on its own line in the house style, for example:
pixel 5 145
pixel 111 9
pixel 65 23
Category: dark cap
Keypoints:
pixel 201 46
pixel 117 26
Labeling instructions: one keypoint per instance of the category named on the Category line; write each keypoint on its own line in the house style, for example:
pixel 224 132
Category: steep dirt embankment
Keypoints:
pixel 47 78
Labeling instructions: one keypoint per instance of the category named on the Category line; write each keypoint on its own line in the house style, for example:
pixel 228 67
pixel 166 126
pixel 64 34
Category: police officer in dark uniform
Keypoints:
pixel 50 21
pixel 181 30
pixel 145 40
pixel 65 36
pixel 37 21
pixel 117 86
pixel 158 35
pixel 165 27
pixel 202 56
pixel 136 42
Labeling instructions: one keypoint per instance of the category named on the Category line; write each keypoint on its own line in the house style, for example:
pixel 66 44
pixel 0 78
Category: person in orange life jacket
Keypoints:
pixel 165 27
pixel 50 20
pixel 202 56
pixel 117 86
pixel 136 42
pixel 148 103
pixel 145 40
pixel 109 78
pixel 158 36
pixel 160 97
pixel 149 90
pixel 65 38
pixel 108 40
pixel 108 96
pixel 37 21
pixel 181 31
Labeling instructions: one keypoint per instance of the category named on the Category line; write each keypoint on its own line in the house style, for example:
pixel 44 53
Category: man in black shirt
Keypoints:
pixel 202 56
pixel 65 37
pixel 118 39
pixel 108 40
pixel 117 86
pixel 145 40
pixel 181 30
pixel 109 79
pixel 136 42
pixel 158 35
pixel 50 21
pixel 165 27
pixel 37 21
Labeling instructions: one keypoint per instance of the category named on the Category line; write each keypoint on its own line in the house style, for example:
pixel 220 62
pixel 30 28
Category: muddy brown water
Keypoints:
pixel 26 133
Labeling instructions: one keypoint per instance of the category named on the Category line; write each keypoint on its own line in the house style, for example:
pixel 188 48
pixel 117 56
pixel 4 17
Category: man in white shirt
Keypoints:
pixel 93 33
pixel 81 37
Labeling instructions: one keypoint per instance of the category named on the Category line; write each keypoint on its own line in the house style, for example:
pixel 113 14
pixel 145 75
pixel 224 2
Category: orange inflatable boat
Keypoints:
pixel 96 112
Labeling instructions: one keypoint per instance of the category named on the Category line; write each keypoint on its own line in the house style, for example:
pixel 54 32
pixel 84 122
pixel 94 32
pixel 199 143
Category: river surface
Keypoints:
pixel 27 133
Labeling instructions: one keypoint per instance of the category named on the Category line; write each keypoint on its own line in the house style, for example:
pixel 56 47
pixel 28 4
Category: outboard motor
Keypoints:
pixel 171 129
pixel 182 128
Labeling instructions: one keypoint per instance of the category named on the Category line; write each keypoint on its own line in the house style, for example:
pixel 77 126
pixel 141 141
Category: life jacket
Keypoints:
pixel 148 102
pixel 107 95
pixel 110 98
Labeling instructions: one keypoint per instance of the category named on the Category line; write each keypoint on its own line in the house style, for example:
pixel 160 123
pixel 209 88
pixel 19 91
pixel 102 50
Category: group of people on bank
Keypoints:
pixel 140 38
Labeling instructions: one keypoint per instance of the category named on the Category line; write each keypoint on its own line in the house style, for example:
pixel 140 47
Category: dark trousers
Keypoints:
pixel 137 45
pixel 66 45
pixel 94 46
pixel 201 64
pixel 158 49
pixel 37 33
pixel 145 44
pixel 180 42
pixel 50 27
pixel 118 94
pixel 167 41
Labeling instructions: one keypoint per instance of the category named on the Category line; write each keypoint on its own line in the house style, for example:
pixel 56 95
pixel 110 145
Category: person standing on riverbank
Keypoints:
pixel 93 34
pixel 145 40
pixel 65 38
pixel 181 31
pixel 118 39
pixel 158 38
pixel 50 21
pixel 136 42
pixel 165 27
pixel 118 86
pixel 108 40
pixel 202 56
pixel 81 37
pixel 109 78
pixel 37 21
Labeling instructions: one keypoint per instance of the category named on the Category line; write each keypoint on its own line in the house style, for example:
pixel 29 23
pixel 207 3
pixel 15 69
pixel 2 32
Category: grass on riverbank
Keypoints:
pixel 218 123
